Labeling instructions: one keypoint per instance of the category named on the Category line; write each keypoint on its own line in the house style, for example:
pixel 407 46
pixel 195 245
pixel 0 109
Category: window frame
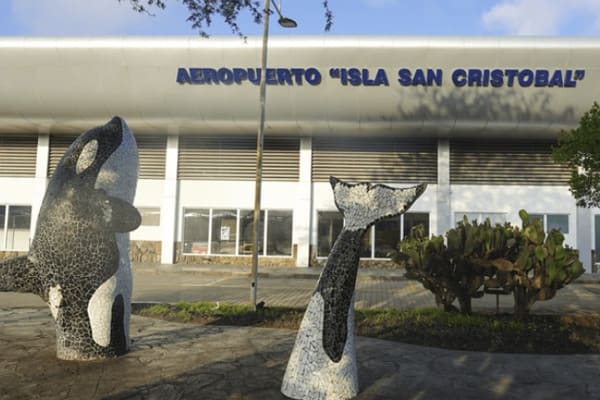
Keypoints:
pixel 481 216
pixel 545 220
pixel 151 209
pixel 372 232
pixel 240 212
pixel 5 228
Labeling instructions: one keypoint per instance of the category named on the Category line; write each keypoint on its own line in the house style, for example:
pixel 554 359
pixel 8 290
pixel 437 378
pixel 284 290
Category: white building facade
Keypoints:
pixel 475 118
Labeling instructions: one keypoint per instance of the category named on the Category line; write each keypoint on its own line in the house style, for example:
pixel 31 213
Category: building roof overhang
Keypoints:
pixel 406 86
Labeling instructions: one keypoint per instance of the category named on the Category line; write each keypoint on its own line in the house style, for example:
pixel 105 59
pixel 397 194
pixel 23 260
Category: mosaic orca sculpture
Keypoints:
pixel 78 261
pixel 323 362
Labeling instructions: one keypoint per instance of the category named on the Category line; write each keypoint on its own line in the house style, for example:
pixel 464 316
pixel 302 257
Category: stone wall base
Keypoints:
pixel 271 261
pixel 145 251
pixel 4 255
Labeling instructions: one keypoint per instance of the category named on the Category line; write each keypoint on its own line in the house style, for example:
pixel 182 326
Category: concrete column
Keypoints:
pixel 443 198
pixel 584 237
pixel 41 176
pixel 168 210
pixel 303 207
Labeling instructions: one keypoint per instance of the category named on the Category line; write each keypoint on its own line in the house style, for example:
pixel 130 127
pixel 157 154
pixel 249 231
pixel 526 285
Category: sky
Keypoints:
pixel 351 17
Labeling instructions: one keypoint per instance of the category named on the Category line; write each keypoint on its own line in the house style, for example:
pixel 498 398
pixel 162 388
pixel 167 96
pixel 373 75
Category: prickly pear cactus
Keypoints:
pixel 542 265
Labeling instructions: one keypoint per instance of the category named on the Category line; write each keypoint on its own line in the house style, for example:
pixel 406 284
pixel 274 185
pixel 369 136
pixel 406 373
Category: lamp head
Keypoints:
pixel 287 22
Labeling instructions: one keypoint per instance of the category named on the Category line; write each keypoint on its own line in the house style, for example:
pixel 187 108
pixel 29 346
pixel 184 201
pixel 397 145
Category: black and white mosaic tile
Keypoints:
pixel 78 261
pixel 323 362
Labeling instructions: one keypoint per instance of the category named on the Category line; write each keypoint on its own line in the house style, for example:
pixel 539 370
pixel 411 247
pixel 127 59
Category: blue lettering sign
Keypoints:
pixel 429 77
pixel 183 76
pixel 359 76
pixel 459 77
pixel 355 76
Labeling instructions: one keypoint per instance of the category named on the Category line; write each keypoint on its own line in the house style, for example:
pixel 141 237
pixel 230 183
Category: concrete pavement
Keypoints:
pixel 179 361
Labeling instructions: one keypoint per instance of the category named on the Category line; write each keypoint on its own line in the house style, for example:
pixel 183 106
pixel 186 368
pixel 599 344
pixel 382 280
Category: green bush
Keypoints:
pixel 476 257
pixel 542 265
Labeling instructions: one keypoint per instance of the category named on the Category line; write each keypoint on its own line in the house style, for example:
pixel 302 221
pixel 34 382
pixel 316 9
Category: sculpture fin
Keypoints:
pixel 122 216
pixel 363 204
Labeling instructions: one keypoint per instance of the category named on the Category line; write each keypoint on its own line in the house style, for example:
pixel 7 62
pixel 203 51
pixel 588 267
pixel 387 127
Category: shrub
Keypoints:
pixel 475 257
pixel 542 265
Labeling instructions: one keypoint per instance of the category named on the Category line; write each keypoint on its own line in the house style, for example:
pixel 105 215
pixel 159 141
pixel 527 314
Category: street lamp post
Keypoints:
pixel 286 23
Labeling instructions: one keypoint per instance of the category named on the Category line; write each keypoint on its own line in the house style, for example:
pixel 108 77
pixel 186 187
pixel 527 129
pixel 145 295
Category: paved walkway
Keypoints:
pixel 179 361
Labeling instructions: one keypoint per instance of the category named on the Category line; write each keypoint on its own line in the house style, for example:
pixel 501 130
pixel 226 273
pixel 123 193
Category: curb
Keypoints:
pixel 290 273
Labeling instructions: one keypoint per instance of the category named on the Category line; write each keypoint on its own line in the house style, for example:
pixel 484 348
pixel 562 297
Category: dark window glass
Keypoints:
pixel 279 233
pixel 414 219
pixel 195 231
pixel 597 238
pixel 558 221
pixel 224 231
pixel 330 225
pixel 536 217
pixel 387 236
pixel 2 221
pixel 246 229
pixel 365 244
pixel 19 223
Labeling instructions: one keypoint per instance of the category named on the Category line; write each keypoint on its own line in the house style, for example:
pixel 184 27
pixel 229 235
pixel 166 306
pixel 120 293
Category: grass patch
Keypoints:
pixel 550 334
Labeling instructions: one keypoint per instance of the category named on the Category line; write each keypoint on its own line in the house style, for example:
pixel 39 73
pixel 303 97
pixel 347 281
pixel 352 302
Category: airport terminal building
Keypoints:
pixel 474 118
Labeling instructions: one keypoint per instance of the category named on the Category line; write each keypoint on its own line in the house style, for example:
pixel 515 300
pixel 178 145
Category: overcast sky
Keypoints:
pixel 361 17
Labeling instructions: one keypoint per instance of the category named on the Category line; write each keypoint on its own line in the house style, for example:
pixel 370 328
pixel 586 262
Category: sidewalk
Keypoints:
pixel 170 361
pixel 294 272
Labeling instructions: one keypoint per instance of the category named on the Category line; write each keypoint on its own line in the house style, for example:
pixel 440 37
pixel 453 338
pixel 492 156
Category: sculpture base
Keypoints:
pixel 76 354
pixel 310 373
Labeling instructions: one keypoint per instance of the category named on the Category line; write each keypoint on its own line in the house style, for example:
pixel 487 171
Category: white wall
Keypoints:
pixel 17 191
pixel 148 194
pixel 511 199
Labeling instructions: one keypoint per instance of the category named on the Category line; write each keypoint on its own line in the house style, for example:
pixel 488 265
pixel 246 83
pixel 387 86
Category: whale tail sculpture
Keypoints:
pixel 78 260
pixel 323 362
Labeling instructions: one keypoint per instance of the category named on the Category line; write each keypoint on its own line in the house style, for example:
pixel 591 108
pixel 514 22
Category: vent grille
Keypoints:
pixel 497 162
pixel 151 153
pixel 374 159
pixel 234 158
pixel 18 155
pixel 58 146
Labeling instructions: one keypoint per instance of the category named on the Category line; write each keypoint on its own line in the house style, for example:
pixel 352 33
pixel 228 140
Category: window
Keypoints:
pixel 230 231
pixel 366 247
pixel 2 221
pixel 388 232
pixel 246 229
pixel 597 237
pixel 279 233
pixel 387 236
pixel 380 240
pixel 150 216
pixel 557 221
pixel 329 227
pixel 224 232
pixel 16 224
pixel 552 221
pixel 195 231
pixel 480 217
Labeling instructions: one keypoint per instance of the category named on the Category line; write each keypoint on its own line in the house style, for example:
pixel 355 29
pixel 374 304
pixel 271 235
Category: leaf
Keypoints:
pixel 503 264
pixel 524 217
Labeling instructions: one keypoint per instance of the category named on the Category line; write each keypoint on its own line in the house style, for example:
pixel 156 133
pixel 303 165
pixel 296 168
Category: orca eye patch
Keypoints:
pixel 87 156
